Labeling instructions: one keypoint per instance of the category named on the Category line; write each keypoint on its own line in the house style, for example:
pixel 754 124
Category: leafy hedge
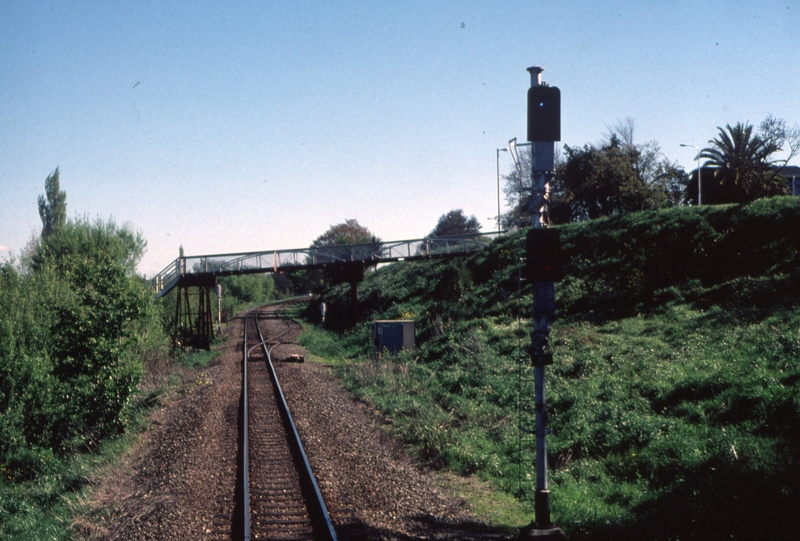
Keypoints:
pixel 74 322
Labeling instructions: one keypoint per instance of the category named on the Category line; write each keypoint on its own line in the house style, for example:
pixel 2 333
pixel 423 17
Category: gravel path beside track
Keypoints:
pixel 181 478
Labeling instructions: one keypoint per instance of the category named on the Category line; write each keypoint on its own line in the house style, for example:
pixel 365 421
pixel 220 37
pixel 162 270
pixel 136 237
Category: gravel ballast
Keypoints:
pixel 180 480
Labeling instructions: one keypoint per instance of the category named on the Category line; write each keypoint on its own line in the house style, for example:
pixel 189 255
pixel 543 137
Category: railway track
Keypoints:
pixel 281 499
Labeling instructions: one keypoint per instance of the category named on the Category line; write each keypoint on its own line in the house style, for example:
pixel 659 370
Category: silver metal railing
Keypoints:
pixel 299 258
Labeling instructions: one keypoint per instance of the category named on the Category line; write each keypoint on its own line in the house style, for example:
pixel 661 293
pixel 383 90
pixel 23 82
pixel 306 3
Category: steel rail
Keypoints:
pixel 245 454
pixel 317 508
pixel 286 319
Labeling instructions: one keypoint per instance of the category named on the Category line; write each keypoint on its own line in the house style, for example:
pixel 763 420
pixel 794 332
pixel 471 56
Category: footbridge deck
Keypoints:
pixel 204 269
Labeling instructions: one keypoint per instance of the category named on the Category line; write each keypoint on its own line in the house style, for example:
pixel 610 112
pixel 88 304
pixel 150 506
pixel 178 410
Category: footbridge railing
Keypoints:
pixel 191 270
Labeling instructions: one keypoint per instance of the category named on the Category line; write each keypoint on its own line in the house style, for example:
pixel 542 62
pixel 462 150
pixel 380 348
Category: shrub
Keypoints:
pixel 73 328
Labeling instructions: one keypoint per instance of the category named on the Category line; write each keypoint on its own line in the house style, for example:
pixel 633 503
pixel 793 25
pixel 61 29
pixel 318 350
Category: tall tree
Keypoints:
pixel 742 164
pixel 119 244
pixel 455 222
pixel 615 177
pixel 345 241
pixel 777 132
pixel 450 224
pixel 52 206
pixel 95 328
pixel 351 244
pixel 349 232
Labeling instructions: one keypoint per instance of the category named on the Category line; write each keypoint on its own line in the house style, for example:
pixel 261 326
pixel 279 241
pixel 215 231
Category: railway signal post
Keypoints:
pixel 543 268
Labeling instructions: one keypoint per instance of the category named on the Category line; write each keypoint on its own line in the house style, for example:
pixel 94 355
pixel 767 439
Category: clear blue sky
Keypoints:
pixel 236 126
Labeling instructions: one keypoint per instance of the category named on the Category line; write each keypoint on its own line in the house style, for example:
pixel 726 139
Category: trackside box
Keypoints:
pixel 392 335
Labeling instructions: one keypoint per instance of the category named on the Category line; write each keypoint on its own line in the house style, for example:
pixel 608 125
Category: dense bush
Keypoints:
pixel 239 292
pixel 75 322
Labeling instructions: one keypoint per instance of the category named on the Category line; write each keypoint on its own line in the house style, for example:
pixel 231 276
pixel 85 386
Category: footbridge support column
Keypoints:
pixel 194 321
pixel 354 274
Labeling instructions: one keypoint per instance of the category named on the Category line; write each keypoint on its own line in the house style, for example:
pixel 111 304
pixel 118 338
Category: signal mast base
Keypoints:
pixel 534 532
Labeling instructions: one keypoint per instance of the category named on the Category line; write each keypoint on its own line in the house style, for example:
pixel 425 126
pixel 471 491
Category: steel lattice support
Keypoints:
pixel 194 325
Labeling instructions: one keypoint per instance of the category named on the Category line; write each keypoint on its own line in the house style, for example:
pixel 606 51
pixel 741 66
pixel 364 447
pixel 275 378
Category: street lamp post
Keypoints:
pixel 499 150
pixel 699 175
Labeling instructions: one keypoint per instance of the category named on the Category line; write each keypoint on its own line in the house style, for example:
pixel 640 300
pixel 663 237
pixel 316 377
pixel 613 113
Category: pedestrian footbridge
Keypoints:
pixel 200 273
pixel 203 270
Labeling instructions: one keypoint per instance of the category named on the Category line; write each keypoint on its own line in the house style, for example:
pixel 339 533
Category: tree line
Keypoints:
pixel 360 242
pixel 619 175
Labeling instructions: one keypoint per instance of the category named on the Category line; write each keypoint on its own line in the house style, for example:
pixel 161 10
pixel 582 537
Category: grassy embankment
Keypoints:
pixel 674 399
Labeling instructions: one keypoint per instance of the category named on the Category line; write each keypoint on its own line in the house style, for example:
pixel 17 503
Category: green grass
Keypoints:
pixel 55 503
pixel 323 345
pixel 488 503
pixel 648 408
pixel 674 398
pixel 199 358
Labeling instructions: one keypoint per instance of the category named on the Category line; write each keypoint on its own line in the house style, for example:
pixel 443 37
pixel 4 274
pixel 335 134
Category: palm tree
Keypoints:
pixel 741 166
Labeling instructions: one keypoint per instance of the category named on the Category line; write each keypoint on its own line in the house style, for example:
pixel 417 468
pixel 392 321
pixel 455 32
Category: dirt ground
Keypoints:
pixel 179 481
